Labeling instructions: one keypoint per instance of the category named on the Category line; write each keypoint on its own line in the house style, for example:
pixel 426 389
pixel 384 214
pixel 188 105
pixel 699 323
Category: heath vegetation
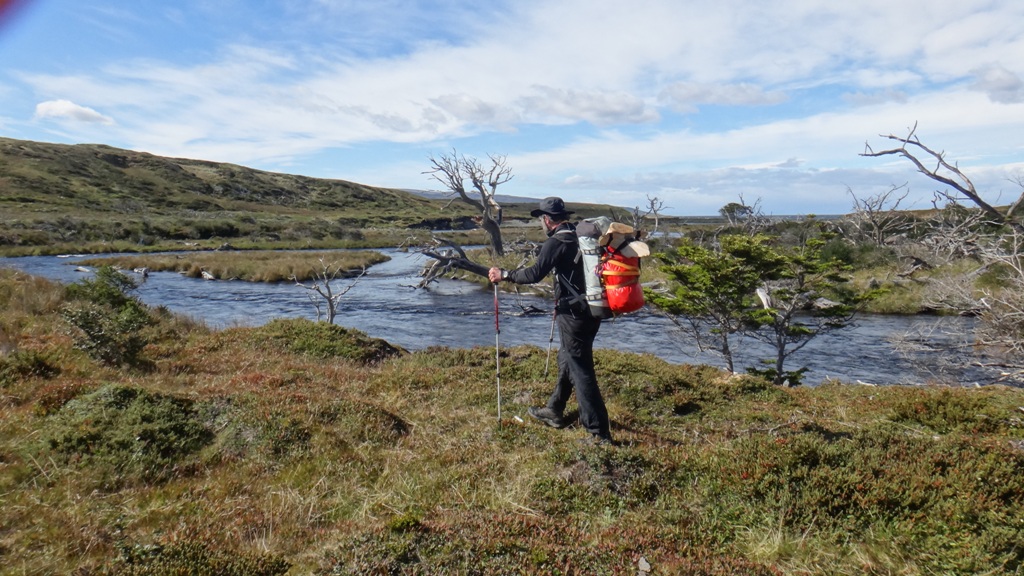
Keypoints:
pixel 306 448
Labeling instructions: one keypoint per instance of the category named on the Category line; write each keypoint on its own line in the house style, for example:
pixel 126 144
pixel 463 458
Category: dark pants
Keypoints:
pixel 576 372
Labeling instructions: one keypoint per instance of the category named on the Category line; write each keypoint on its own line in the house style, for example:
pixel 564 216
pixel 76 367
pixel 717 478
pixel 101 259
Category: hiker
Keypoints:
pixel 576 327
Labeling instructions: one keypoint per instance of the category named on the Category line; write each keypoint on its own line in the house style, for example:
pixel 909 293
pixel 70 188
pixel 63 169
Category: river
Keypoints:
pixel 385 304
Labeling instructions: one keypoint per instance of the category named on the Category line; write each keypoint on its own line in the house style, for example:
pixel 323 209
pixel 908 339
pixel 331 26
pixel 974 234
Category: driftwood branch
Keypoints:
pixel 447 259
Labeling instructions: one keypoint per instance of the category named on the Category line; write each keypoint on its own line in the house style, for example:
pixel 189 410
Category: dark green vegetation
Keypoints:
pixel 56 198
pixel 305 448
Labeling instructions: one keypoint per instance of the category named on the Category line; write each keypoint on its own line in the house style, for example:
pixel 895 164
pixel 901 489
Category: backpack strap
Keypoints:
pixel 574 296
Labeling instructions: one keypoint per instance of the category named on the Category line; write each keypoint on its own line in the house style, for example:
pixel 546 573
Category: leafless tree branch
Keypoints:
pixel 322 294
pixel 942 171
pixel 454 170
pixel 877 217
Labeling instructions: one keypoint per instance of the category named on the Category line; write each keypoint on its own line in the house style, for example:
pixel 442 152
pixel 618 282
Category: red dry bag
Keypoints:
pixel 621 278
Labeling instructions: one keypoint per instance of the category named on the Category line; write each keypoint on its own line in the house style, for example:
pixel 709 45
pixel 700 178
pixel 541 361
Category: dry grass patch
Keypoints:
pixel 252 266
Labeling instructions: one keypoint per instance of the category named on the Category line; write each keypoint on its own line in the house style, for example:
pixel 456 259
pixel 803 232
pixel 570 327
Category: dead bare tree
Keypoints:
pixel 955 231
pixel 912 149
pixel 654 207
pixel 1002 315
pixel 324 296
pixel 454 170
pixel 748 217
pixel 985 234
pixel 877 217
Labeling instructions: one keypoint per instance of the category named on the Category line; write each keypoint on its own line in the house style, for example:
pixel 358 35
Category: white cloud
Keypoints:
pixel 1000 84
pixel 686 96
pixel 600 82
pixel 66 109
pixel 872 98
pixel 555 105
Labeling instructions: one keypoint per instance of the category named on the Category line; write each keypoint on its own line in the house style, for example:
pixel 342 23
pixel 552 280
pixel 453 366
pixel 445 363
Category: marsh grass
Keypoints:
pixel 300 446
pixel 252 266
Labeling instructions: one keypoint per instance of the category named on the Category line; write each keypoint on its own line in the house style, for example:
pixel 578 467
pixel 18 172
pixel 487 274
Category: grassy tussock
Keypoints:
pixel 262 266
pixel 312 449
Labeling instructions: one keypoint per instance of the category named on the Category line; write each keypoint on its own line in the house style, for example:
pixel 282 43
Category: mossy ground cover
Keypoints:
pixel 304 448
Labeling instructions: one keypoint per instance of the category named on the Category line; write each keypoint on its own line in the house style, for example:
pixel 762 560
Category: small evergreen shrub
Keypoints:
pixel 107 320
pixel 945 411
pixel 246 429
pixel 110 336
pixel 26 364
pixel 192 558
pixel 324 340
pixel 126 434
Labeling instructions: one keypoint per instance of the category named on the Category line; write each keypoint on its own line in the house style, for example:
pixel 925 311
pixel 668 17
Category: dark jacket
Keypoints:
pixel 560 252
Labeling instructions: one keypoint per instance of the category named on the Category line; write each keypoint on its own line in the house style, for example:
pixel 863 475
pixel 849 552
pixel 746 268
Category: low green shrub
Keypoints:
pixel 877 480
pixel 360 422
pixel 192 558
pixel 107 288
pixel 125 434
pixel 107 320
pixel 945 411
pixel 110 336
pixel 491 543
pixel 249 429
pixel 26 364
pixel 323 340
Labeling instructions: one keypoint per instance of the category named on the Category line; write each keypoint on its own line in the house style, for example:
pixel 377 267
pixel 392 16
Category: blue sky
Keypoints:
pixel 697 103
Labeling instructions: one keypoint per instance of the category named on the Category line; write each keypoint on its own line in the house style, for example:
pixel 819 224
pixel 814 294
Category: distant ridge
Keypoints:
pixel 81 179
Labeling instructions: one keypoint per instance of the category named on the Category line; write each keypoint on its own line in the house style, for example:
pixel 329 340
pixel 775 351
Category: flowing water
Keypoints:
pixel 385 304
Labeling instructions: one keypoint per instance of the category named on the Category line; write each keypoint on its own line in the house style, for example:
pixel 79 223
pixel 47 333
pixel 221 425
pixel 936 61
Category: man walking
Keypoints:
pixel 576 327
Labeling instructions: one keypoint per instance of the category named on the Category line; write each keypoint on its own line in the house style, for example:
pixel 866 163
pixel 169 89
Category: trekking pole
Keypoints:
pixel 497 353
pixel 551 338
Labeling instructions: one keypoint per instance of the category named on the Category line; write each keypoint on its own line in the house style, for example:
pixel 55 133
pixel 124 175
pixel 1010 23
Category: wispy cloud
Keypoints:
pixel 687 96
pixel 595 91
pixel 65 109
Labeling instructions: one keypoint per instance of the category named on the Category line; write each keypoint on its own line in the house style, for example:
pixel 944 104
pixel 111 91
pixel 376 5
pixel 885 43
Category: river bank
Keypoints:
pixel 385 304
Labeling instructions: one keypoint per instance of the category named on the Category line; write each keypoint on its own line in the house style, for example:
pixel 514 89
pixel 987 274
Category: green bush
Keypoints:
pixel 247 429
pixel 494 543
pixel 946 411
pixel 107 320
pixel 193 558
pixel 110 336
pixel 324 340
pixel 924 489
pixel 26 364
pixel 126 434
pixel 108 288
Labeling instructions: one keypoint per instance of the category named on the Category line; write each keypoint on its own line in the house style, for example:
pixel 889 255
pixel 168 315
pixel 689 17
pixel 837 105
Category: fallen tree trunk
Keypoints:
pixel 453 257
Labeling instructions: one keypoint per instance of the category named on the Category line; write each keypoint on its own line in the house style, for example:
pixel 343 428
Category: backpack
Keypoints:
pixel 611 253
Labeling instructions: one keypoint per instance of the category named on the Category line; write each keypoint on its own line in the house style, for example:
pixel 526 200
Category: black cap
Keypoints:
pixel 552 206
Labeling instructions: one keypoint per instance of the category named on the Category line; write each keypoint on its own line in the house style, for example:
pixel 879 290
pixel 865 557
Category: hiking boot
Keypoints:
pixel 547 416
pixel 597 440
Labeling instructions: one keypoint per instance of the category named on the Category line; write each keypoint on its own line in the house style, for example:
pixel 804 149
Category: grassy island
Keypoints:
pixel 252 266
